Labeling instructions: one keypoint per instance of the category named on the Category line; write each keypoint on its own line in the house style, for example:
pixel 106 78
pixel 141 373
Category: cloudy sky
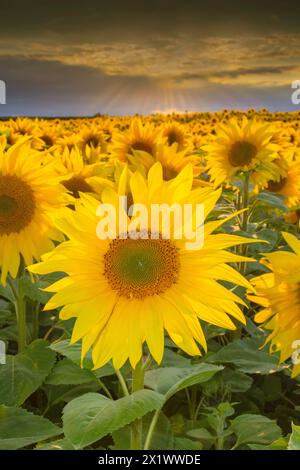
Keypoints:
pixel 81 57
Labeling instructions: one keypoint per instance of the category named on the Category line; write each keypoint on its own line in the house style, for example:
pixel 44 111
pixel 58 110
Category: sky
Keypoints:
pixel 83 57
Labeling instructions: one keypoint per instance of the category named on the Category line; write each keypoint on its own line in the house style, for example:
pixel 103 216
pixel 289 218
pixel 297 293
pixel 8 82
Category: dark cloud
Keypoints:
pixel 119 16
pixel 51 88
pixel 128 56
pixel 239 72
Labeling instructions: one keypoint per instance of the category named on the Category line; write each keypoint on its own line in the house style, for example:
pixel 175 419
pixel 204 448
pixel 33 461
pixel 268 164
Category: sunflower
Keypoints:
pixel 79 177
pixel 288 185
pixel 172 161
pixel 175 133
pixel 22 127
pixel 47 136
pixel 124 291
pixel 139 136
pixel 239 147
pixel 29 194
pixel 69 140
pixel 278 292
pixel 91 140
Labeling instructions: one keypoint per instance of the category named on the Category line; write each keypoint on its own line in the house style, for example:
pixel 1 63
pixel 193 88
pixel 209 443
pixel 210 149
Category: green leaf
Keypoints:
pixel 248 357
pixel 66 372
pixel 200 434
pixel 294 441
pixel 236 381
pixel 174 359
pixel 170 380
pixel 279 444
pixel 65 393
pixel 92 416
pixel 6 293
pixel 19 428
pixel 254 429
pixel 162 439
pixel 73 352
pixel 33 291
pixel 182 443
pixel 59 444
pixel 272 200
pixel 24 373
pixel 10 333
pixel 271 236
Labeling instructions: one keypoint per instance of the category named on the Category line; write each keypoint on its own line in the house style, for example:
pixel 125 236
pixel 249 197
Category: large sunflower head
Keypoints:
pixel 29 195
pixel 278 292
pixel 241 146
pixel 125 291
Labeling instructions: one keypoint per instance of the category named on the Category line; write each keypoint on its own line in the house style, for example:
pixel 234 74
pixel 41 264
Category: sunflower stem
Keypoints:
pixel 20 308
pixel 237 334
pixel 21 313
pixel 245 217
pixel 245 202
pixel 122 382
pixel 136 427
pixel 151 429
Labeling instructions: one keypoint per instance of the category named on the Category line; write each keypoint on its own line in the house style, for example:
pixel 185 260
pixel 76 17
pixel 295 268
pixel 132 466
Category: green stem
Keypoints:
pixel 220 435
pixel 136 427
pixel 237 334
pixel 245 202
pixel 21 315
pixel 122 382
pixel 20 308
pixel 151 430
pixel 244 221
pixel 36 323
pixel 105 389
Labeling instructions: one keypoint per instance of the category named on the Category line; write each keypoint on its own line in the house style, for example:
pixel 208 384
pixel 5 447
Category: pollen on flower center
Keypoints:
pixel 141 268
pixel 17 204
pixel 241 153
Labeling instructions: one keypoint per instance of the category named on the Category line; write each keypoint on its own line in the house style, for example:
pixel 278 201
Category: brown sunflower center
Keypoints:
pixel 17 204
pixel 92 141
pixel 141 268
pixel 76 185
pixel 48 140
pixel 173 137
pixel 275 186
pixel 142 145
pixel 241 153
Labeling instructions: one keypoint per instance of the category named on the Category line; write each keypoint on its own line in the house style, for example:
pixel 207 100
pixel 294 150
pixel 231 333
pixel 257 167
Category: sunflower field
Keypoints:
pixel 140 343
